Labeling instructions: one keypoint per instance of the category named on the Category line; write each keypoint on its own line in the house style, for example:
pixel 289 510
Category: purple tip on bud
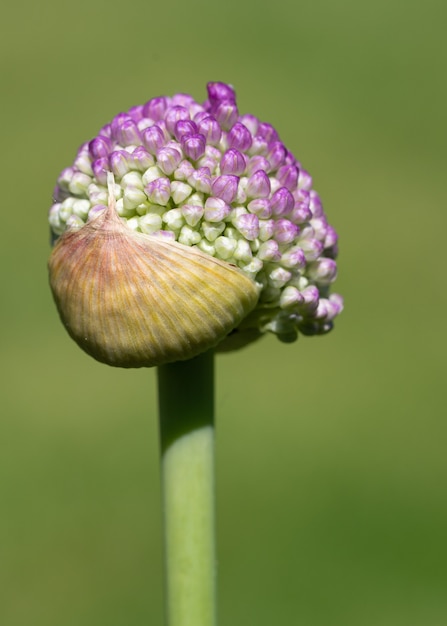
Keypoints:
pixel 285 231
pixel 269 251
pixel 258 185
pixel 267 132
pixel 294 258
pixel 282 202
pixel 233 162
pixel 182 99
pixel 311 297
pixel 119 162
pixel 331 237
pixel 200 179
pixel 251 122
pixel 140 159
pixel 100 147
pixel 257 163
pixel 301 213
pixel 153 138
pixel 260 207
pixel 288 176
pixel 315 204
pixel 312 248
pixel 276 155
pixel 174 115
pixel 259 146
pixel 239 137
pixel 155 109
pixel 100 168
pixel 115 124
pixel 225 188
pixel 220 91
pixel 184 127
pixel 216 209
pixel 226 114
pixel 248 225
pixel 305 180
pixel 159 191
pixel 136 112
pixel 127 134
pixel 168 159
pixel 194 146
pixel 209 126
pixel 323 271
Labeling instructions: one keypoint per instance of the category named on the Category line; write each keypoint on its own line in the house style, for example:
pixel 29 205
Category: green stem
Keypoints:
pixel 186 408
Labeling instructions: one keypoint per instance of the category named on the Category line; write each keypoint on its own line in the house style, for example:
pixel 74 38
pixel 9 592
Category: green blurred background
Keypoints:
pixel 332 468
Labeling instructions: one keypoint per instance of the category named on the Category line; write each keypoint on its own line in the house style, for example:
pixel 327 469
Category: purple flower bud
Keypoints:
pixel 282 202
pixel 258 185
pixel 257 163
pixel 168 158
pixel 331 237
pixel 312 248
pixel 276 155
pixel 239 137
pixel 184 127
pixel 315 204
pixel 301 213
pixel 115 125
pixel 323 271
pixel 220 91
pixel 182 99
pixel 269 251
pixel 159 191
pixel 184 170
pixel 311 297
pixel 290 159
pixel 174 115
pixel 260 207
pixel 267 132
pixel 106 131
pixel 251 122
pixel 136 113
pixel 194 146
pixel 209 126
pixel 200 179
pixel 233 162
pixel 119 162
pixel 304 180
pixel 294 258
pixel 225 187
pixel 259 146
pixel 155 109
pixel 100 168
pixel 288 176
pixel 320 226
pixel 226 114
pixel 248 225
pixel 153 138
pixel 127 134
pixel 285 231
pixel 100 147
pixel 140 159
pixel 216 210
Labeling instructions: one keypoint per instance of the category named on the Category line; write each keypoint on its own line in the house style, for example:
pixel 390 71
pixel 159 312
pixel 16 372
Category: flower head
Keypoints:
pixel 208 177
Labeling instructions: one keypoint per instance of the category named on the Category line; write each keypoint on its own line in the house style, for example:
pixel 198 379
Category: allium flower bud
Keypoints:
pixel 195 186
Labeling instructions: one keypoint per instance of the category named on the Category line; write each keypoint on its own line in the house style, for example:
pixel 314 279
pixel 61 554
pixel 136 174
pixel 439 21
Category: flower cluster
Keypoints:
pixel 206 176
